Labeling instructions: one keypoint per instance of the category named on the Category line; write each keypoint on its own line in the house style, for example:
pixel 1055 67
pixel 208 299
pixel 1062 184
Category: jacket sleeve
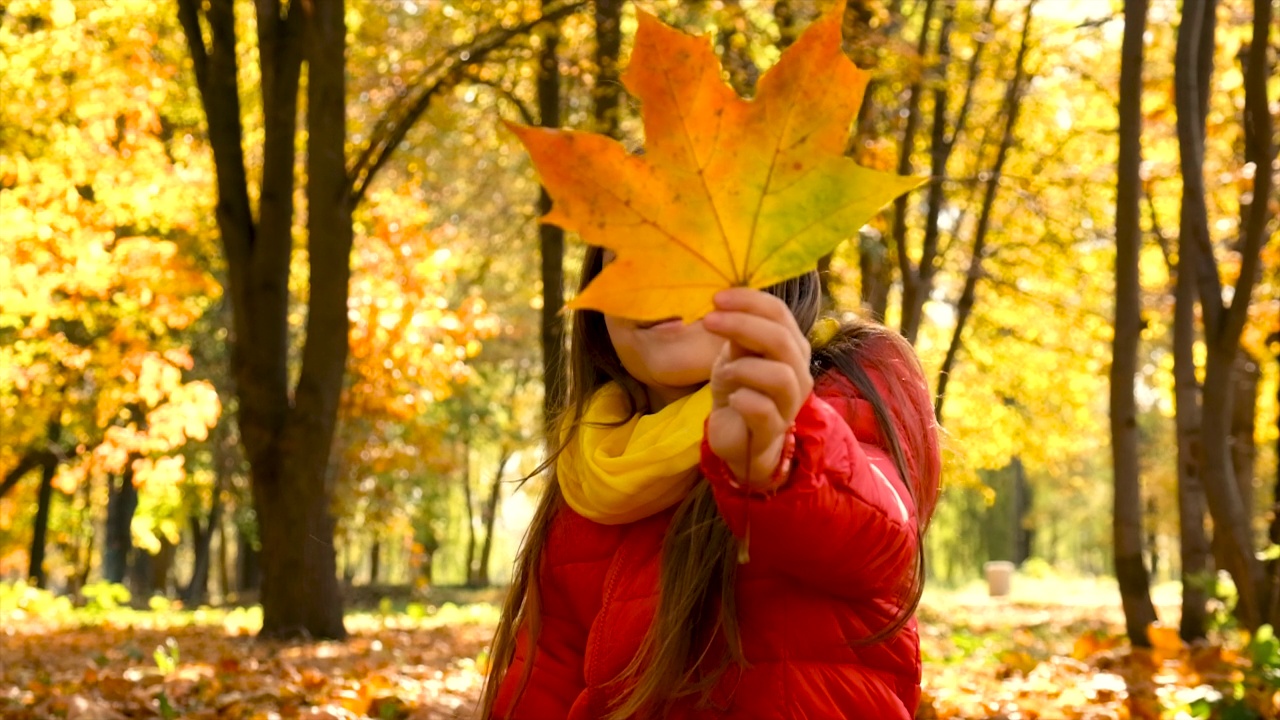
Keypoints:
pixel 843 522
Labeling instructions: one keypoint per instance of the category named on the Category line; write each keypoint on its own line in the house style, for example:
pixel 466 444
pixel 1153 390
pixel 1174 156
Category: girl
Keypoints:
pixel 688 447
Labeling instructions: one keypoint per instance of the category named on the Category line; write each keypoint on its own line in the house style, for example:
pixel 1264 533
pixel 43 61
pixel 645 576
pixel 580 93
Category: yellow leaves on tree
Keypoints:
pixel 730 192
pixel 173 412
pixel 104 219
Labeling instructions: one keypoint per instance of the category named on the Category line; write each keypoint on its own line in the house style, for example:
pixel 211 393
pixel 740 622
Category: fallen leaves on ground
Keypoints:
pixel 1000 660
pixel 984 659
pixel 106 673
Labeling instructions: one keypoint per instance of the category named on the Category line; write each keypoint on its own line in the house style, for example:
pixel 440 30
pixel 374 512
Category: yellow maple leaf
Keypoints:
pixel 730 192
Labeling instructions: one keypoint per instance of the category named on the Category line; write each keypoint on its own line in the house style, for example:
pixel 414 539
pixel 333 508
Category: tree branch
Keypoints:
pixel 1166 246
pixel 962 115
pixel 1191 84
pixel 1012 104
pixel 189 17
pixel 392 128
pixel 526 115
pixel 939 152
pixel 30 461
pixel 905 266
pixel 1258 150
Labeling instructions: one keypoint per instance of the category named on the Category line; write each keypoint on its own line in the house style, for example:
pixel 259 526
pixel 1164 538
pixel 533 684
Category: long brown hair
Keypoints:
pixel 696 601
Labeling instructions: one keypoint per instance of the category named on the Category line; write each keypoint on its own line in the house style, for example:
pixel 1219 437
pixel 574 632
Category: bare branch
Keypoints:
pixel 394 126
pixel 189 16
pixel 1012 104
pixel 1166 246
pixel 962 115
pixel 1259 151
pixel 905 266
pixel 506 93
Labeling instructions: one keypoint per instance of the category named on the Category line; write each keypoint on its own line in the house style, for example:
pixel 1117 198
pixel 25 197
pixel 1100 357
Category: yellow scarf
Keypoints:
pixel 615 474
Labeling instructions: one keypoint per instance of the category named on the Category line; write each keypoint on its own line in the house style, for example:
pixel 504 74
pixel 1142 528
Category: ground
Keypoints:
pixel 1051 650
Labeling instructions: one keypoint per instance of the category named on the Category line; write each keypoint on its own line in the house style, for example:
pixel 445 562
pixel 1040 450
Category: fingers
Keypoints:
pixel 760 413
pixel 760 335
pixel 770 378
pixel 727 433
pixel 758 302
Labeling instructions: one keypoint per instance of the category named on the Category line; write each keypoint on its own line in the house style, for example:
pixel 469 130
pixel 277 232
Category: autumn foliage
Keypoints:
pixel 122 441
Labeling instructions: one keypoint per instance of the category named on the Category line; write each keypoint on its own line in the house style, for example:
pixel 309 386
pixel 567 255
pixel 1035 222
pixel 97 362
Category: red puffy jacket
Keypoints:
pixel 829 552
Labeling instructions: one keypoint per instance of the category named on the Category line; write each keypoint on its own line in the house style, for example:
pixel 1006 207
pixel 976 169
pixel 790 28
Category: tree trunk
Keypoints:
pixel 122 501
pixel 301 596
pixel 1150 524
pixel 940 146
pixel 1195 556
pixel 1023 535
pixel 196 592
pixel 784 15
pixel 964 306
pixel 906 268
pixel 468 495
pixel 1127 536
pixel 1224 323
pixel 288 434
pixel 41 530
pixel 735 56
pixel 489 515
pixel 1231 521
pixel 1245 376
pixel 248 563
pixel 375 561
pixel 875 272
pixel 606 93
pixel 84 562
pixel 1273 530
pixel 1197 571
pixel 149 574
pixel 551 243
pixel 224 569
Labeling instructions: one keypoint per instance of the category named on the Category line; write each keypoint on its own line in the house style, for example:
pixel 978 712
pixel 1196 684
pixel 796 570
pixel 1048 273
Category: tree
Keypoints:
pixel 918 278
pixel 910 283
pixel 1224 322
pixel 555 370
pixel 100 296
pixel 1131 571
pixel 964 305
pixel 606 91
pixel 288 429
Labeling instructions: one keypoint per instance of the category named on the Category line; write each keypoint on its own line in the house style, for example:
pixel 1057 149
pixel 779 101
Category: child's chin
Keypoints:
pixel 673 378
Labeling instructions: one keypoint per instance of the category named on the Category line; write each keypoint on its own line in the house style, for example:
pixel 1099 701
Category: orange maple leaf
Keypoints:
pixel 730 192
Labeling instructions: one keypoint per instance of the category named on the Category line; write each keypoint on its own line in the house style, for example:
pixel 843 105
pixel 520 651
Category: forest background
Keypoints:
pixel 275 302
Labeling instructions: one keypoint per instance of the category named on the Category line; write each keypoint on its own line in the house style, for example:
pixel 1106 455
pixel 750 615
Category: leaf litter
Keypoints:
pixel 983 659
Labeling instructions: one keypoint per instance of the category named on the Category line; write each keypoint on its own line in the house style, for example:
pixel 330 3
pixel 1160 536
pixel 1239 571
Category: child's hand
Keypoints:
pixel 758 382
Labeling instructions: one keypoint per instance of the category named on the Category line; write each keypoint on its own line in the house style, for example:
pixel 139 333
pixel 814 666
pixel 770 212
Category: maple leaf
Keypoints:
pixel 730 192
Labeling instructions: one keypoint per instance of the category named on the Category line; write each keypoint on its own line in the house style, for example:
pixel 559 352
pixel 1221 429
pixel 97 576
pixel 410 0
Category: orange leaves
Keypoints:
pixel 1056 659
pixel 730 192
pixel 98 278
pixel 398 674
pixel 409 341
pixel 412 332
